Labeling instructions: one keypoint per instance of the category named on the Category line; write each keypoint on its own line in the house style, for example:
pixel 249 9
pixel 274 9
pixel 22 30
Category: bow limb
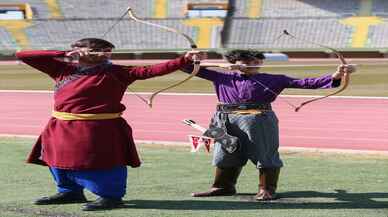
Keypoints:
pixel 136 19
pixel 193 73
pixel 345 77
pixel 192 45
pixel 345 80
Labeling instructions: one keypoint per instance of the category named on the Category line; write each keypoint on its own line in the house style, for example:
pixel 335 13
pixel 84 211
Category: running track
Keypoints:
pixel 334 123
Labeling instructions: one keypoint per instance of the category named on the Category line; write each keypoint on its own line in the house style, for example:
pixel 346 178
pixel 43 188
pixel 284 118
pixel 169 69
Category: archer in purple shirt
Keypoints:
pixel 246 84
pixel 245 112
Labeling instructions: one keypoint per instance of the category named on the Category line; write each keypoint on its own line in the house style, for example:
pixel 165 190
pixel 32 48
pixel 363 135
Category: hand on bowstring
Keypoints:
pixel 239 67
pixel 77 52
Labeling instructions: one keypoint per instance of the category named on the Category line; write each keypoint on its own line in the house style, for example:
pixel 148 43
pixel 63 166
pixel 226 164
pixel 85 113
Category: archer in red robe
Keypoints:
pixel 86 133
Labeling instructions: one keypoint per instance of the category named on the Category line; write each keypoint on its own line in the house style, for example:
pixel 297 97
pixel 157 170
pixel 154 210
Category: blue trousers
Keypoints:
pixel 109 183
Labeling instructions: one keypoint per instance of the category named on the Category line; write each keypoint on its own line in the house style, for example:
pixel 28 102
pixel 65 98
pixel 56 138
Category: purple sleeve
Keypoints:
pixel 204 73
pixel 323 82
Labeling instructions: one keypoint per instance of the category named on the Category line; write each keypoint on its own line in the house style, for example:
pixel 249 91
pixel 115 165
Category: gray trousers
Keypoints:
pixel 258 136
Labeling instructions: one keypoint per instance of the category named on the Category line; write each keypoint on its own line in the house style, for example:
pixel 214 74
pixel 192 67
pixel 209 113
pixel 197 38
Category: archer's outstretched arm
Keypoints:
pixel 145 72
pixel 323 82
pixel 204 73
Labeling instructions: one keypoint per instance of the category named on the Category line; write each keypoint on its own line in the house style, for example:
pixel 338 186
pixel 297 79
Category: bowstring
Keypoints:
pixel 108 31
pixel 339 55
pixel 266 88
pixel 114 24
pixel 133 92
pixel 169 29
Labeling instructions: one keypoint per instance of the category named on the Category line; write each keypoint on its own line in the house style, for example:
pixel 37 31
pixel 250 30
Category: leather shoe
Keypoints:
pixel 264 195
pixel 215 192
pixel 103 204
pixel 62 198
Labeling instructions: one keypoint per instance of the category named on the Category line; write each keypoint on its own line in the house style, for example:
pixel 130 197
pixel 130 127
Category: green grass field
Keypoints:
pixel 311 184
pixel 367 81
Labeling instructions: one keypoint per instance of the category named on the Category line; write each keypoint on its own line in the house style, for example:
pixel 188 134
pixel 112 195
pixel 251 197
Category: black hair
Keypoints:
pixel 93 43
pixel 237 55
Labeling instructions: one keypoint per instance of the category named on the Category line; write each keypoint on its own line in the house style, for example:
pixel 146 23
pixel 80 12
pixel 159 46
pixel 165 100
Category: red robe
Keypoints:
pixel 91 144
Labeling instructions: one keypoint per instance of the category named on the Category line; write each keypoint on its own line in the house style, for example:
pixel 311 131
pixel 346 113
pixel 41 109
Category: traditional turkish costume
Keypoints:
pixel 245 112
pixel 86 138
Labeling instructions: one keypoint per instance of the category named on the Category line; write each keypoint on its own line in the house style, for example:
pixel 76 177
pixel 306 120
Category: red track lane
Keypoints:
pixel 335 123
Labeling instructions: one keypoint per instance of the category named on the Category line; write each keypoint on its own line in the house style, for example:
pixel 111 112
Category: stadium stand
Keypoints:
pixel 143 8
pixel 380 8
pixel 6 42
pixel 301 8
pixel 344 24
pixel 378 35
pixel 309 8
pixel 127 34
pixel 104 8
pixel 253 33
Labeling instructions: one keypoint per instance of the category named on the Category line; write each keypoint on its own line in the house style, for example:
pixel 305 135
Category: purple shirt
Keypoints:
pixel 234 87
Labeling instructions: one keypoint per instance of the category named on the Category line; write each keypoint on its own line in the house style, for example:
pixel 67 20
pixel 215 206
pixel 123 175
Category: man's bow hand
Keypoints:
pixel 342 69
pixel 195 55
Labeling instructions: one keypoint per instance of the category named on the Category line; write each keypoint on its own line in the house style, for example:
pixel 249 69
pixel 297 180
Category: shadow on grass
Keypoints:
pixel 287 200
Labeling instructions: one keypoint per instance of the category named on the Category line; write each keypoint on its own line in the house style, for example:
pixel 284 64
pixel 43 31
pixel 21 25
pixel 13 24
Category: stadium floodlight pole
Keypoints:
pixel 193 46
pixel 345 78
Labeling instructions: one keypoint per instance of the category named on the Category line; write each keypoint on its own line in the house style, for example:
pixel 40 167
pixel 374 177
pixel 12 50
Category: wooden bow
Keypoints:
pixel 193 46
pixel 345 79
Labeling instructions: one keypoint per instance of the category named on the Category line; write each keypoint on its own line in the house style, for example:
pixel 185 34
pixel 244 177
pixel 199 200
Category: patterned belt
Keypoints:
pixel 244 108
